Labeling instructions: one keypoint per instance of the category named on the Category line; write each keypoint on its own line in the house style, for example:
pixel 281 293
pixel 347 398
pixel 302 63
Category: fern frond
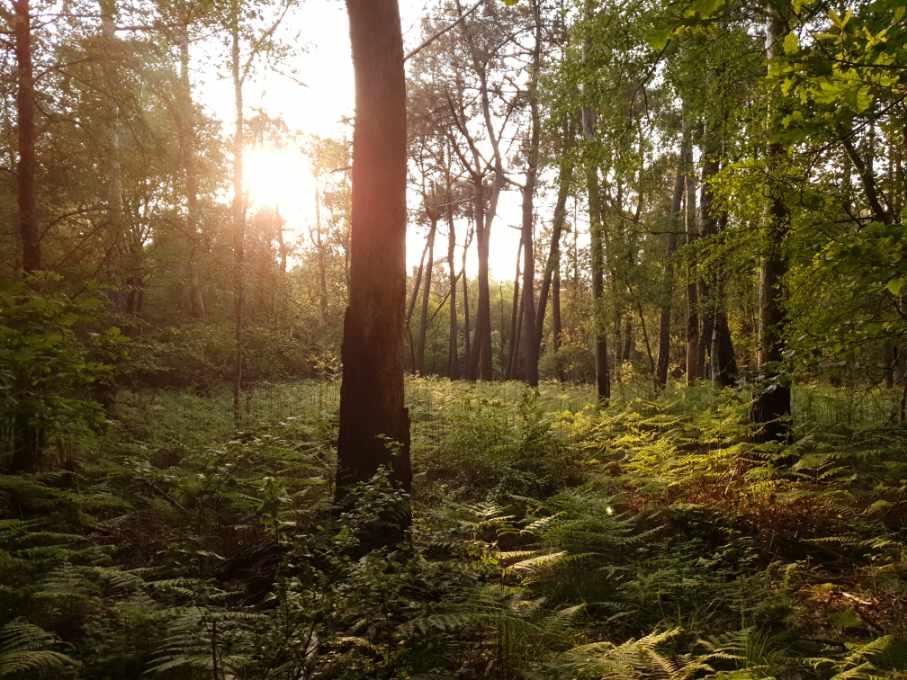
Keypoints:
pixel 27 648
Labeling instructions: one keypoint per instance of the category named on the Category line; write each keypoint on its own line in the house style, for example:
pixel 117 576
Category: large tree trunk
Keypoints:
pixel 29 233
pixel 771 407
pixel 664 321
pixel 371 394
pixel 238 215
pixel 426 298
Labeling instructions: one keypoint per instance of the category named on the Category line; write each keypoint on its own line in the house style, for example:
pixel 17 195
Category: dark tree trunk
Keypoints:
pixel 667 301
pixel 771 407
pixel 724 362
pixel 527 367
pixel 600 324
pixel 27 435
pixel 629 348
pixel 371 395
pixel 29 233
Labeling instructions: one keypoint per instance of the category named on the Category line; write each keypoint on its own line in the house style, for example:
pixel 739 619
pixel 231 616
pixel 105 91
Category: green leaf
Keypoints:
pixel 896 286
pixel 791 43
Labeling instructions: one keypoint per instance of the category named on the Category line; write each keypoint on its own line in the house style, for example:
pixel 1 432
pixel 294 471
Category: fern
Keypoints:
pixel 631 660
pixel 26 648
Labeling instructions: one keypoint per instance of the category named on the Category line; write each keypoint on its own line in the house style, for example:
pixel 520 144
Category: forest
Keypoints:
pixel 435 339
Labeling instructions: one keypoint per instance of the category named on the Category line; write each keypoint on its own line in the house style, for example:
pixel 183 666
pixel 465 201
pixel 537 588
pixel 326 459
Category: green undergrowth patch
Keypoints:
pixel 550 539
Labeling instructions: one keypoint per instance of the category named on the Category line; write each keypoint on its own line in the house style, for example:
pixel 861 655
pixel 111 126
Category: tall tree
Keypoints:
pixel 29 232
pixel 371 394
pixel 771 407
pixel 667 291
pixel 528 352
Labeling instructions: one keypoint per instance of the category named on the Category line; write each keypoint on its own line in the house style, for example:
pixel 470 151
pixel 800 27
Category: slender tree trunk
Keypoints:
pixel 667 301
pixel 771 407
pixel 629 340
pixel 453 362
pixel 527 367
pixel 322 264
pixel 600 324
pixel 371 396
pixel 411 308
pixel 556 324
pixel 552 265
pixel 116 231
pixel 480 360
pixel 283 251
pixel 238 214
pixel 417 285
pixel 426 297
pixel 467 337
pixel 510 366
pixel 29 233
pixel 190 176
pixel 715 329
pixel 692 355
pixel 596 232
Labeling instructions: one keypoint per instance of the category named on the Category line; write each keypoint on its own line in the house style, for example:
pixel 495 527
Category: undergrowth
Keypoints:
pixel 550 539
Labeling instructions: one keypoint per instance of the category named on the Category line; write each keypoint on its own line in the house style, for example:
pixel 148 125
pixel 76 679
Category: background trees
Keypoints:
pixel 637 153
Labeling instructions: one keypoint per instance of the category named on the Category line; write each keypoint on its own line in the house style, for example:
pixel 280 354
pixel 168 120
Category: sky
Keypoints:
pixel 314 100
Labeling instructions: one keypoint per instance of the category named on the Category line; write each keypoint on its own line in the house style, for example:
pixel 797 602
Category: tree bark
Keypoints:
pixel 371 394
pixel 771 407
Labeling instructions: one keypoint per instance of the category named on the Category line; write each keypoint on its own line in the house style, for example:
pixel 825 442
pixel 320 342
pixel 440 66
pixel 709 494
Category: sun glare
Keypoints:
pixel 280 179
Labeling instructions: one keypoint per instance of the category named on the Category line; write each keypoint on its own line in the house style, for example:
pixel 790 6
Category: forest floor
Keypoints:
pixel 550 540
